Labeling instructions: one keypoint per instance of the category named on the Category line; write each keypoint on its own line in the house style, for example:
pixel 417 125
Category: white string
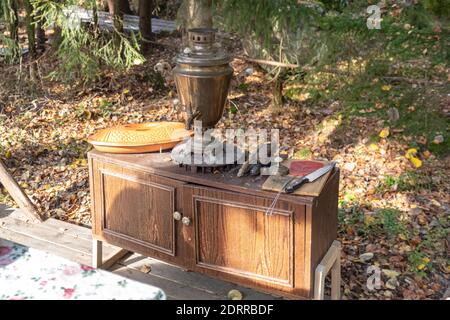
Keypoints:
pixel 270 209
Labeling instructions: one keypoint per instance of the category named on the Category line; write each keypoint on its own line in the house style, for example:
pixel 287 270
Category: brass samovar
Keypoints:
pixel 202 77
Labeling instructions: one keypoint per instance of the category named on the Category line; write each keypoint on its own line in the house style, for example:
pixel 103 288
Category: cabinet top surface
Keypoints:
pixel 161 164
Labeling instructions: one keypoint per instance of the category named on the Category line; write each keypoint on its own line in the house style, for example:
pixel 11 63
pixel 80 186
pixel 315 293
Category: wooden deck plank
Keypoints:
pixel 78 231
pixel 54 233
pixel 70 228
pixel 6 211
pixel 62 235
pixel 40 231
pixel 173 290
pixel 40 244
pixel 191 279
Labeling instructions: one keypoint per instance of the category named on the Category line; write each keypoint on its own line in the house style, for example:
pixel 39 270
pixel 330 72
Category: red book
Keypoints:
pixel 300 168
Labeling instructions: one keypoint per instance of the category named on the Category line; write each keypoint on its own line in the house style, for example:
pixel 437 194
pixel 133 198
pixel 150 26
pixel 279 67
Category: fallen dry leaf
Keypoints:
pixel 384 133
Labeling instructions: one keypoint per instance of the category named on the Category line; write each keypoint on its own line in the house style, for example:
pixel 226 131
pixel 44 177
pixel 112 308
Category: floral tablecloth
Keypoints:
pixel 27 273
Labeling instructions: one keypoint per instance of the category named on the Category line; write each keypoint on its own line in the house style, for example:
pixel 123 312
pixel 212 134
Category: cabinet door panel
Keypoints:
pixel 234 237
pixel 139 210
pixel 238 239
pixel 133 209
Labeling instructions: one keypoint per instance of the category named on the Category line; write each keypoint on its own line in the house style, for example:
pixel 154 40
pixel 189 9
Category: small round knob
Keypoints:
pixel 186 221
pixel 177 215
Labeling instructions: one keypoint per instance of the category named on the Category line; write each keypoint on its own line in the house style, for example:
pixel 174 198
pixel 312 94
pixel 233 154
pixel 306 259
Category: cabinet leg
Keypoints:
pixel 330 262
pixel 97 253
pixel 336 277
pixel 319 283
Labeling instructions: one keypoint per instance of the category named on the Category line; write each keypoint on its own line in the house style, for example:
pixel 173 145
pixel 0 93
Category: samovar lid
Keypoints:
pixel 202 49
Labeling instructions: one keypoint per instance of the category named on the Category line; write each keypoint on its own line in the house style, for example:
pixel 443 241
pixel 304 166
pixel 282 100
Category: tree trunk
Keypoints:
pixel 31 33
pixel 95 18
pixel 40 35
pixel 14 29
pixel 123 6
pixel 277 96
pixel 108 5
pixel 14 25
pixel 116 13
pixel 145 23
pixel 196 14
pixel 56 38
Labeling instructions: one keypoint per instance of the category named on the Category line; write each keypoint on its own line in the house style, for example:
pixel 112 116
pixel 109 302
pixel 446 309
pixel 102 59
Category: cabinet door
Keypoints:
pixel 236 240
pixel 134 210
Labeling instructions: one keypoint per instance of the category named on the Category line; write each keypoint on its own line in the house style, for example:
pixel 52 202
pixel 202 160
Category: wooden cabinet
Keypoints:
pixel 214 224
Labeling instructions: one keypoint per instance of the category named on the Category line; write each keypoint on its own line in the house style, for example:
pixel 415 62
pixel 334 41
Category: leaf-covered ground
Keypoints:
pixel 387 131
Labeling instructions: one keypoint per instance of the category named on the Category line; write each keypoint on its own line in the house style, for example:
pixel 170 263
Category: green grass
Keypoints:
pixel 106 108
pixel 407 181
pixel 433 241
pixel 243 87
pixel 418 263
pixel 392 225
pixel 385 222
pixel 351 217
pixel 80 110
pixel 303 154
pixel 155 80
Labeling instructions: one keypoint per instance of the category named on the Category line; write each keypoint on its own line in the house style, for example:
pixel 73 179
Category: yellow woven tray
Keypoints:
pixel 140 138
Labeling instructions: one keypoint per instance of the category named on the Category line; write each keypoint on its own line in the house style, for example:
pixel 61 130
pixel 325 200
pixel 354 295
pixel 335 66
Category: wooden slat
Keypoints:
pixel 55 225
pixel 191 279
pixel 6 212
pixel 79 232
pixel 97 253
pixel 112 259
pixel 58 233
pixel 173 290
pixel 29 241
pixel 17 194
pixel 176 274
pixel 70 228
pixel 43 233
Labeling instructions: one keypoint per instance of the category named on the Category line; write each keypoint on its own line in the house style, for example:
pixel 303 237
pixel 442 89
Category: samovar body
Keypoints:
pixel 202 77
